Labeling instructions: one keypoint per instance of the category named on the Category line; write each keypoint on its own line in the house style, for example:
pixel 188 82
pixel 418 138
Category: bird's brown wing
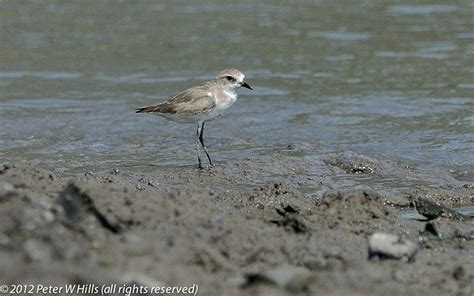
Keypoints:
pixel 191 101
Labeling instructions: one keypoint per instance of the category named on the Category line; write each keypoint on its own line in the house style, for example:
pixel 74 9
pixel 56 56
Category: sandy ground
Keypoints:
pixel 207 228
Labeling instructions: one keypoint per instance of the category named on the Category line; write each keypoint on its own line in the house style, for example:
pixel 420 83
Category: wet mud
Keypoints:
pixel 265 239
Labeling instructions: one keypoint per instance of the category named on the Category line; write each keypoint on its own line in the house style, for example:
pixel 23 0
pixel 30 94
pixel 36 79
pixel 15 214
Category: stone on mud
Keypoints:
pixel 389 246
pixel 292 278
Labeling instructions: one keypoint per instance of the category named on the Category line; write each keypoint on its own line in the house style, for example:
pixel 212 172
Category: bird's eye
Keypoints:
pixel 230 78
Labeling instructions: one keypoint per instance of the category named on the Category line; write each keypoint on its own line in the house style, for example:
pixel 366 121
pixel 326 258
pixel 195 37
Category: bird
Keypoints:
pixel 199 104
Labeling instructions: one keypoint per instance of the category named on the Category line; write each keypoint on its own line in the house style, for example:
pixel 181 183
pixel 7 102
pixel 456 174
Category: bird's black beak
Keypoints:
pixel 246 85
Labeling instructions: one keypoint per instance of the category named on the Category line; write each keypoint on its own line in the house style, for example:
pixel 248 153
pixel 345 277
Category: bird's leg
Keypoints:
pixel 201 139
pixel 198 133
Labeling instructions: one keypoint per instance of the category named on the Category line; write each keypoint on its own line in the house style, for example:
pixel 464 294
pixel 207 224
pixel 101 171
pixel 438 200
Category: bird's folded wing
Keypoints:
pixel 189 102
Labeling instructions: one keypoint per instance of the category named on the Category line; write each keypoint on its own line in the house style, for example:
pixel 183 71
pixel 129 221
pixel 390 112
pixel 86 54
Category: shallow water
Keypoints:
pixel 390 79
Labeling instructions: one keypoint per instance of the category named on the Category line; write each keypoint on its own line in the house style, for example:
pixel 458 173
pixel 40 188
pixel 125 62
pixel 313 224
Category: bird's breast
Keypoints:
pixel 226 99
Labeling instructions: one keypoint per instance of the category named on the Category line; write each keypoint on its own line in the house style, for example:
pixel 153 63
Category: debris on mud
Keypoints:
pixel 291 218
pixel 77 205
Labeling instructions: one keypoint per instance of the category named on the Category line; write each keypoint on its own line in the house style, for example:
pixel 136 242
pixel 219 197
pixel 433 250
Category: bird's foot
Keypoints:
pixel 211 165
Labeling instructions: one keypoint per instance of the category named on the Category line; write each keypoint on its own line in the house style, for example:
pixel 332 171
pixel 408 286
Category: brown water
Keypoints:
pixel 390 79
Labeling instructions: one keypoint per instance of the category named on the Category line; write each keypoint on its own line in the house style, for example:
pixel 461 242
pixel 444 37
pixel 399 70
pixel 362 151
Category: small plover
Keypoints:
pixel 201 103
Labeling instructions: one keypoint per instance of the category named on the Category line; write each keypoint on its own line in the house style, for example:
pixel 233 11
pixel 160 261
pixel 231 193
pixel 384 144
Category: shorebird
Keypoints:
pixel 201 103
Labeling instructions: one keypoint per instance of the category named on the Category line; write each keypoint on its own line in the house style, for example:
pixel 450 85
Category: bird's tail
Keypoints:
pixel 146 109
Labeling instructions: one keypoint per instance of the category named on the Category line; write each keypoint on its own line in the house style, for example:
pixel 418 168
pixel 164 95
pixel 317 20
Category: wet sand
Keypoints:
pixel 206 227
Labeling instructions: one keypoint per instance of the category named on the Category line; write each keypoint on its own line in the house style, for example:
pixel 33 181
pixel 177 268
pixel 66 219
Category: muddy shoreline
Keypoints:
pixel 206 228
pixel 360 110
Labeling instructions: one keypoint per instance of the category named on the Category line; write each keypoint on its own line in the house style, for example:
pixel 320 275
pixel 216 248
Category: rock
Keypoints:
pixel 388 246
pixel 292 278
pixel 432 210
pixel 7 190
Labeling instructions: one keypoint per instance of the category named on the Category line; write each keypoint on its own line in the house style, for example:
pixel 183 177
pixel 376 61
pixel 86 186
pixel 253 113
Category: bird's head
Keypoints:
pixel 232 78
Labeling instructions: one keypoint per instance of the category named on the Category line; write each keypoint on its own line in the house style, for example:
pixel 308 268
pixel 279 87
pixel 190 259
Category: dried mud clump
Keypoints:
pixel 272 195
pixel 360 210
